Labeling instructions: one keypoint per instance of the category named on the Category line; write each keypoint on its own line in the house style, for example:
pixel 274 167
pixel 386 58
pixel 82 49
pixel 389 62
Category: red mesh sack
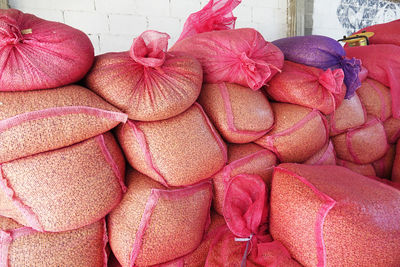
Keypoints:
pixel 245 158
pixel 363 169
pixel 37 121
pixel 153 224
pixel 396 165
pixel 64 189
pixel 350 114
pixel 362 145
pixel 178 151
pixel 239 56
pixel 383 67
pixel 243 241
pixel 383 166
pixel 376 99
pixel 331 216
pixel 23 246
pixel 325 156
pixel 228 107
pixel 147 82
pixel 384 33
pixel 298 134
pixel 308 86
pixel 40 54
pixel 392 129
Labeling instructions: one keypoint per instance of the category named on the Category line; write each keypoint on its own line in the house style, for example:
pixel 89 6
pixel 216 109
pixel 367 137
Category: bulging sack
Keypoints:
pixel 38 121
pixel 383 67
pixel 240 114
pixel 324 53
pixel 64 189
pixel 350 114
pixel 244 158
pixel 147 82
pixel 40 54
pixel 362 145
pixel 178 151
pixel 331 216
pixel 22 246
pixel 298 134
pixel 239 56
pixel 326 156
pixel 376 99
pixel 153 225
pixel 308 86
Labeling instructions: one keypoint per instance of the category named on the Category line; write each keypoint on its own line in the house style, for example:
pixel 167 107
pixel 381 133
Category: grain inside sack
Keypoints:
pixel 64 189
pixel 147 82
pixel 22 246
pixel 153 225
pixel 178 151
pixel 331 216
pixel 38 121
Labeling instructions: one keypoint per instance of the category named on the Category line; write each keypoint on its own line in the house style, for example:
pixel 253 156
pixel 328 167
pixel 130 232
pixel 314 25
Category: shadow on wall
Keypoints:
pixel 357 14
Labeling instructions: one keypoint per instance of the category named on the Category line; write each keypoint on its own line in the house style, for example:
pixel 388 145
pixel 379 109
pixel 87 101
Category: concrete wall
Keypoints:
pixel 112 24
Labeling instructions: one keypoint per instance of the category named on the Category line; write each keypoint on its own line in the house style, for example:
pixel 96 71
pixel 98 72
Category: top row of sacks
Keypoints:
pixel 148 82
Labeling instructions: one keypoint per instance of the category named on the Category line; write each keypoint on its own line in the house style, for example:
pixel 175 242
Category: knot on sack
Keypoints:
pixel 149 48
pixel 351 69
pixel 10 32
pixel 246 251
pixel 257 72
pixel 332 80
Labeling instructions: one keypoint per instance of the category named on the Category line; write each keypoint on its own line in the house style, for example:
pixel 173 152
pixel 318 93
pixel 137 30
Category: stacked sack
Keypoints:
pixel 232 143
pixel 61 170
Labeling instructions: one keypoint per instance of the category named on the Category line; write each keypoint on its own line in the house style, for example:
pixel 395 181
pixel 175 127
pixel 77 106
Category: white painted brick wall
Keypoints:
pixel 112 24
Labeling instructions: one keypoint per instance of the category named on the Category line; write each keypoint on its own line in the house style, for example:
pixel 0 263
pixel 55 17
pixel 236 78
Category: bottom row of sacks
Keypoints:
pixel 312 216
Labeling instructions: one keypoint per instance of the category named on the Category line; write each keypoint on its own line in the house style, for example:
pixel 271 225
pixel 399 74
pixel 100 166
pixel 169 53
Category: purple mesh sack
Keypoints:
pixel 324 53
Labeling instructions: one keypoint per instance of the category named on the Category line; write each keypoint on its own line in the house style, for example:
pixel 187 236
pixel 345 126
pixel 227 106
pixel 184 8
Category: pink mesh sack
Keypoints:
pixel 363 169
pixel 298 134
pixel 147 82
pixel 396 165
pixel 64 189
pixel 392 129
pixel 384 33
pixel 37 121
pixel 325 156
pixel 383 67
pixel 308 86
pixel 228 107
pixel 245 158
pixel 331 216
pixel 23 246
pixel 383 166
pixel 243 241
pixel 362 145
pixel 239 56
pixel 153 224
pixel 178 151
pixel 350 114
pixel 40 54
pixel 376 99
